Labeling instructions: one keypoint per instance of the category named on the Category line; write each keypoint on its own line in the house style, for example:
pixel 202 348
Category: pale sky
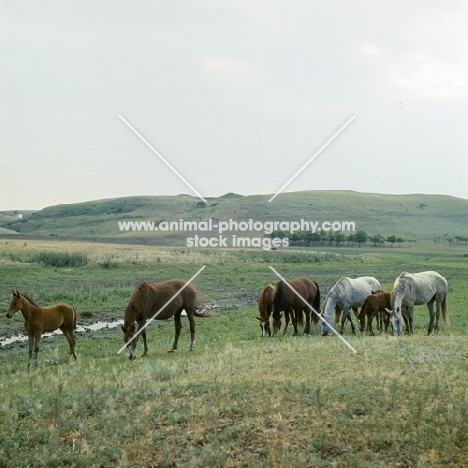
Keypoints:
pixel 236 95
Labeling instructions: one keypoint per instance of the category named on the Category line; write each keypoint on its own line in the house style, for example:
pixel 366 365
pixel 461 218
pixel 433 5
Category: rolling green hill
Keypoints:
pixel 414 216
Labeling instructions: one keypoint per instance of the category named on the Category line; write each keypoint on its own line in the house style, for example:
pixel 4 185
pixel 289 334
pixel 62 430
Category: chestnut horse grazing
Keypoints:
pixel 374 306
pixel 284 299
pixel 265 307
pixel 39 320
pixel 150 298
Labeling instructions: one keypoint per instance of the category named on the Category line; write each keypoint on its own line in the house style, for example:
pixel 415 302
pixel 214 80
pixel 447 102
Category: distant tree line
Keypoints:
pixel 457 240
pixel 336 239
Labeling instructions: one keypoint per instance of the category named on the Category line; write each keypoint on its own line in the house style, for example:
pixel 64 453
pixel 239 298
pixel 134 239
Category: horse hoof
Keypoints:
pixel 171 350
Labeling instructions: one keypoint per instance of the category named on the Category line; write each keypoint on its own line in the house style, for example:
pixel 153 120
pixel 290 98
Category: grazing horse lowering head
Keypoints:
pixel 265 326
pixel 265 307
pixel 396 318
pixel 129 333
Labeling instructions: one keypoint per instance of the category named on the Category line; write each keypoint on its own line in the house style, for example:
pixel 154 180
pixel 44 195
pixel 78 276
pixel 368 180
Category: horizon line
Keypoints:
pixel 239 195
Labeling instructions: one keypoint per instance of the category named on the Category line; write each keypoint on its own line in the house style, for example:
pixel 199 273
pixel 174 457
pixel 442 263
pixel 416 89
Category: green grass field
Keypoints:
pixel 238 399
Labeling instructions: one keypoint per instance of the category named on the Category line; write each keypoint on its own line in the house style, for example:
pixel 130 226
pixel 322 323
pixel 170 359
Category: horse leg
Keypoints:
pixel 438 302
pixel 307 325
pixel 286 322
pixel 344 317
pixel 368 317
pixel 353 330
pixel 37 340
pixel 372 315
pixel 294 314
pixel 430 308
pixel 141 326
pixel 31 346
pixel 192 329
pixel 437 312
pixel 70 336
pixel 407 313
pixel 178 327
pixel 337 314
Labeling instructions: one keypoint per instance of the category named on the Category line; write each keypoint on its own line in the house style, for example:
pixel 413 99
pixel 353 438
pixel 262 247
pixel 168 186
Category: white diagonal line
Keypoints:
pixel 315 312
pixel 312 158
pixel 161 309
pixel 161 157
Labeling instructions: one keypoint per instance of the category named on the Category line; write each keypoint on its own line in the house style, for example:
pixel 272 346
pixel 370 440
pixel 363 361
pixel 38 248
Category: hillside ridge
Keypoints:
pixel 419 216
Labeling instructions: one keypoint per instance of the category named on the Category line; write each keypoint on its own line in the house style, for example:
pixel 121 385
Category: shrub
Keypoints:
pixel 61 259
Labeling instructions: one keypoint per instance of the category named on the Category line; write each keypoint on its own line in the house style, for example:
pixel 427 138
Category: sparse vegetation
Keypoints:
pixel 61 259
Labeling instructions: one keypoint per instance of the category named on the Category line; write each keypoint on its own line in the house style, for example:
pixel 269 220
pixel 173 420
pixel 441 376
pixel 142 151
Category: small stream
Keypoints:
pixel 79 329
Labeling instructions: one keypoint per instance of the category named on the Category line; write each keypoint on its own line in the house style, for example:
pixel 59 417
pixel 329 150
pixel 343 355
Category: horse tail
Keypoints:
pixel 316 303
pixel 300 317
pixel 445 315
pixel 74 318
pixel 277 298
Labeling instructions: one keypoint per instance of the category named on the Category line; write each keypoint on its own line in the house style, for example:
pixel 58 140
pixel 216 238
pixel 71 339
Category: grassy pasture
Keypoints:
pixel 238 399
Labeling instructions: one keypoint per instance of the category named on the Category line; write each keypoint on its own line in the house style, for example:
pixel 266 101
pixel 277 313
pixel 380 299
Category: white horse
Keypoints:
pixel 418 289
pixel 345 294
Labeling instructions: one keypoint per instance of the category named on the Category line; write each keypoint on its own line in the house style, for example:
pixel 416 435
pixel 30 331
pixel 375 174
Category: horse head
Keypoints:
pixel 396 318
pixel 265 326
pixel 361 319
pixel 328 308
pixel 129 333
pixel 16 304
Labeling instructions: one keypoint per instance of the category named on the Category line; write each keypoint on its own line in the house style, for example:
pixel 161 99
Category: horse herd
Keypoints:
pixel 301 297
pixel 296 298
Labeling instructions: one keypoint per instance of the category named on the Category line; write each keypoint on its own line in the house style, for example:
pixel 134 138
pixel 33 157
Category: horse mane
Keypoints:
pixel 316 303
pixel 30 300
pixel 136 303
pixel 400 283
pixel 399 286
pixel 261 299
pixel 278 297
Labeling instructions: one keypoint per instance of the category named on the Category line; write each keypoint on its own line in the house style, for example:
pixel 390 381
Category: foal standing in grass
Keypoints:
pixel 39 320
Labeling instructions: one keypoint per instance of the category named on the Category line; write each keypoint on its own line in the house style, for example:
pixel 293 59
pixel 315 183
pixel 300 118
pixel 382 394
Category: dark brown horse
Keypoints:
pixel 39 320
pixel 265 307
pixel 149 299
pixel 284 299
pixel 374 307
